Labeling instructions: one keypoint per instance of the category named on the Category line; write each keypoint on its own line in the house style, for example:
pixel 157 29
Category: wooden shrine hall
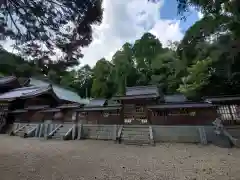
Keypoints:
pixel 27 101
pixel 228 108
pixel 37 108
pixel 142 105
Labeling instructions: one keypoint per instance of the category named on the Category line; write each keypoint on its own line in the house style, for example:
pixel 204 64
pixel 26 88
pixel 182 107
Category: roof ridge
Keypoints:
pixel 46 80
pixel 37 90
pixel 7 77
pixel 221 96
pixel 30 87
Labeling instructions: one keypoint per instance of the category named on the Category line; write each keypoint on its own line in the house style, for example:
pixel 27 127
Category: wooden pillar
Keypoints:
pixel 149 111
pixel 122 112
pixel 37 130
pixel 80 127
pixel 114 133
pixel 231 113
pixel 75 122
pixel 202 135
pixel 40 131
pixel 121 116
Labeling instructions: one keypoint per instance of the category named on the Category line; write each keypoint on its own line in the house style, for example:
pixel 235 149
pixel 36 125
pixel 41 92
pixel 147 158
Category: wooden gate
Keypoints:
pixel 135 114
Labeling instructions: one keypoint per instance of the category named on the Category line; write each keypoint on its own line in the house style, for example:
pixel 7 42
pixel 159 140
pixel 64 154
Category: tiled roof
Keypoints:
pixel 185 105
pixel 24 92
pixel 222 99
pixel 18 111
pixel 112 102
pixel 51 110
pixel 37 107
pixel 68 106
pixel 141 90
pixel 135 97
pixel 61 93
pixel 175 98
pixel 7 79
pixel 30 108
pixel 98 109
pixel 96 102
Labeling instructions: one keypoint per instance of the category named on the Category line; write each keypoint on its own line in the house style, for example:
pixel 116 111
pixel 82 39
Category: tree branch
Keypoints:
pixel 13 21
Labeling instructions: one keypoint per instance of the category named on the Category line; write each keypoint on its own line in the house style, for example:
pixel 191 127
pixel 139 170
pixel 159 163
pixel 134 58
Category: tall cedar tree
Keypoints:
pixel 41 27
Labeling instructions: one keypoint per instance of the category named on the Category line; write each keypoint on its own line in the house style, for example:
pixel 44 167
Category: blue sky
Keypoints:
pixel 169 11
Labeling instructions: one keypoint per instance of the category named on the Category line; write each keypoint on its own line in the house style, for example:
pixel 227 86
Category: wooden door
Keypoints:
pixel 135 114
pixel 140 114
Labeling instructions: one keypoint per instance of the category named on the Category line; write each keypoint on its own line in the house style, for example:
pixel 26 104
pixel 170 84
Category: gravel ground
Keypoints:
pixel 33 159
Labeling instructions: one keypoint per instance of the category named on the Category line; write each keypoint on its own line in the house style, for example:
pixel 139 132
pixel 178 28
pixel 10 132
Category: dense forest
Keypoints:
pixel 205 63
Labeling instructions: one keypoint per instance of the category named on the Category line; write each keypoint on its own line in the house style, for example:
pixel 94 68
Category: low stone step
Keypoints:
pixel 131 142
pixel 135 132
pixel 60 133
pixel 136 129
pixel 132 139
pixel 57 135
pixel 135 136
pixel 57 138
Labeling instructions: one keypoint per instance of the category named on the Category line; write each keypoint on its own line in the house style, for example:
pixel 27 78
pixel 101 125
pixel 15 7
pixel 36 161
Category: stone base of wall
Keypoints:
pixel 98 131
pixel 180 134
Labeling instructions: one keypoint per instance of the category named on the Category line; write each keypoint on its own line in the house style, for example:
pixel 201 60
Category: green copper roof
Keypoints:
pixel 62 93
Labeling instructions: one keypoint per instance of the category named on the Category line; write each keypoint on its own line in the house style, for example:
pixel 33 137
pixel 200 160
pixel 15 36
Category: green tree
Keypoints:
pixel 42 26
pixel 198 77
pixel 84 81
pixel 124 70
pixel 69 78
pixel 103 84
pixel 12 64
pixel 145 50
pixel 165 72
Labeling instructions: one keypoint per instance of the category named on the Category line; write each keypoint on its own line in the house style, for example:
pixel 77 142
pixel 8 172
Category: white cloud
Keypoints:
pixel 200 15
pixel 125 21
pixel 167 30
